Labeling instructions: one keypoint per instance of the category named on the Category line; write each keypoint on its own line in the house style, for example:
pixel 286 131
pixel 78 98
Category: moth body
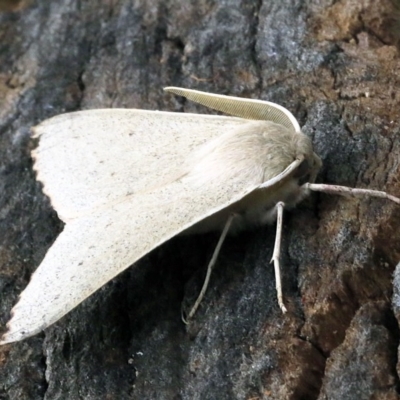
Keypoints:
pixel 126 181
pixel 272 148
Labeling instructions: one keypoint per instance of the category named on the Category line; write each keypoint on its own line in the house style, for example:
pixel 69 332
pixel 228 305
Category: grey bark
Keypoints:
pixel 335 66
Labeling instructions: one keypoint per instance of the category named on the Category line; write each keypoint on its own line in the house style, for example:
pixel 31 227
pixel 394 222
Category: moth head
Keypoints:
pixel 308 169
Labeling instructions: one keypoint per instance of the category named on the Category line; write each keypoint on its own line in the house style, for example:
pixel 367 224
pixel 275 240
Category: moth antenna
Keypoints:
pixel 239 107
pixel 209 269
pixel 348 191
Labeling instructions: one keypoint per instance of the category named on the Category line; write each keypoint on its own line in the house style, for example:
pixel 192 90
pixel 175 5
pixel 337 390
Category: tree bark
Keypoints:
pixel 335 66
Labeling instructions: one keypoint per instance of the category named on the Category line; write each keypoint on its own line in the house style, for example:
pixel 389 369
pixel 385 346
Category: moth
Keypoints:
pixel 124 181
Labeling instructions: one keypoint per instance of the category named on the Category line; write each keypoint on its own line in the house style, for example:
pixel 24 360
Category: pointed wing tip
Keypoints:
pixel 10 337
pixel 11 334
pixel 19 326
pixel 7 338
pixel 15 333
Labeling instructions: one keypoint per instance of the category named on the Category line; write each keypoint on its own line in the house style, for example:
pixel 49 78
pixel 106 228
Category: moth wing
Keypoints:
pixel 93 249
pixel 88 159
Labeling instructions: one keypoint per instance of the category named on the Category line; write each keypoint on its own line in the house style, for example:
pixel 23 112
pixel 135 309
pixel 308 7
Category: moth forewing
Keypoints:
pixel 115 153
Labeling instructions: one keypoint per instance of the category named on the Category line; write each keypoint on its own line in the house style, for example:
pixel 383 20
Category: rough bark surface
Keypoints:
pixel 335 65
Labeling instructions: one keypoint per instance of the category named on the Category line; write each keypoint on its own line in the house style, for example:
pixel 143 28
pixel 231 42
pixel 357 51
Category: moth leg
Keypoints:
pixel 350 192
pixel 209 269
pixel 276 254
